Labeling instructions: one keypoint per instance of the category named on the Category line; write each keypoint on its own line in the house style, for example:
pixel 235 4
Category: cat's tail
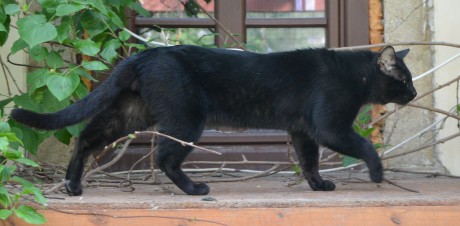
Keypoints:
pixel 101 98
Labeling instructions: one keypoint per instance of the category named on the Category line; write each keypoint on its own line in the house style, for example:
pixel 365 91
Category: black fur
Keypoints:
pixel 313 94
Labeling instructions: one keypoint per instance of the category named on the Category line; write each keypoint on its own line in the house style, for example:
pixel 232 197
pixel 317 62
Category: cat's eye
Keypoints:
pixel 405 82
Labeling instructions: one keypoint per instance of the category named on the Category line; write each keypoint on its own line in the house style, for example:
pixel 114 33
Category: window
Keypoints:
pixel 264 25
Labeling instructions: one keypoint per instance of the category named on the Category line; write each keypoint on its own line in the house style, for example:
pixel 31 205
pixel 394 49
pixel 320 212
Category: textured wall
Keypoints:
pixel 446 18
pixel 411 21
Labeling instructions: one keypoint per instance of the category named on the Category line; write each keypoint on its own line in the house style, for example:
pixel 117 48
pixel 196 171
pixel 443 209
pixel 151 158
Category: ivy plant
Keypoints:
pixel 54 33
pixel 360 125
pixel 58 28
pixel 13 188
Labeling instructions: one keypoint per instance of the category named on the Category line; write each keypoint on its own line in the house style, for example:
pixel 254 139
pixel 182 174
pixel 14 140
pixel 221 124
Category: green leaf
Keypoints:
pixel 94 65
pixel 26 102
pixel 76 129
pixel 4 143
pixel 66 9
pixel 64 29
pixel 29 136
pixel 12 9
pixel 3 28
pixel 297 170
pixel 4 214
pixel 5 172
pixel 347 160
pixel 12 154
pixel 29 215
pixel 38 53
pixel 5 199
pixel 18 134
pixel 37 79
pixel 81 91
pixel 54 60
pixel 11 137
pixel 3 15
pixel 118 3
pixel 19 44
pixel 109 52
pixel 63 136
pixel 124 35
pixel 132 136
pixel 62 86
pixel 50 103
pixel 27 161
pixel 134 45
pixel 458 109
pixel 99 5
pixel 4 127
pixel 115 19
pixel 83 73
pixel 87 46
pixel 83 2
pixel 139 9
pixel 367 132
pixel 92 23
pixel 5 102
pixel 36 192
pixel 35 29
pixel 49 3
pixel 24 183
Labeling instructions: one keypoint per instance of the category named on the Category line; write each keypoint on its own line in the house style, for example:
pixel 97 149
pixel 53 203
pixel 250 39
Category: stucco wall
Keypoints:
pixel 411 21
pixel 17 71
pixel 446 18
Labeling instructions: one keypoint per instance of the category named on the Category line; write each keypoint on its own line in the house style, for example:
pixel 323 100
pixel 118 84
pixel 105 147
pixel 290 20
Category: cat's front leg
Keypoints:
pixel 348 142
pixel 307 152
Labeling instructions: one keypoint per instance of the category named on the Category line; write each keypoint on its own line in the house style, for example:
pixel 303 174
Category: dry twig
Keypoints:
pixel 450 44
pixel 424 146
pixel 399 186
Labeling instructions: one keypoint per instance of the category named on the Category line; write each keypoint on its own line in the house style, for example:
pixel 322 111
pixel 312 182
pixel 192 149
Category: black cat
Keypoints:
pixel 314 94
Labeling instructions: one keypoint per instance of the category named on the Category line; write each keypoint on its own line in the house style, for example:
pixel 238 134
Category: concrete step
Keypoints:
pixel 267 201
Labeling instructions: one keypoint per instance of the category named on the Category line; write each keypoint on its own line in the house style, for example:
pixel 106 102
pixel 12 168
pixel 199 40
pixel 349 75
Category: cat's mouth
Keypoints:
pixel 405 100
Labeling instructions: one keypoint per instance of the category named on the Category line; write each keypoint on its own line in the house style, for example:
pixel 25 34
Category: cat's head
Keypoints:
pixel 395 80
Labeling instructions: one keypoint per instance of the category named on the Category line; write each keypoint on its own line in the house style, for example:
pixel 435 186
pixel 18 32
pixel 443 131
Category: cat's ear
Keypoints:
pixel 402 53
pixel 387 60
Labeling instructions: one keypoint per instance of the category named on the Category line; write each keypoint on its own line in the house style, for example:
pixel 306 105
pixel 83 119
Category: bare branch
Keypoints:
pixel 433 174
pixel 179 141
pixel 455 45
pixel 424 146
pixel 113 161
pixel 434 109
pixel 266 172
pixel 399 186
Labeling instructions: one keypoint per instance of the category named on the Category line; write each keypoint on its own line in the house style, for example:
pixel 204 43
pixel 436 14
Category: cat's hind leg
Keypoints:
pixel 92 139
pixel 126 115
pixel 171 154
pixel 308 153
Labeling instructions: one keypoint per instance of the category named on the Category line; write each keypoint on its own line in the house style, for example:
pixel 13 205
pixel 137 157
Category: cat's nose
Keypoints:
pixel 414 93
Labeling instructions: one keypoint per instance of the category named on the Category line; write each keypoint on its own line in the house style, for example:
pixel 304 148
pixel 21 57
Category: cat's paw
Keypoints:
pixel 324 185
pixel 198 189
pixel 376 174
pixel 73 189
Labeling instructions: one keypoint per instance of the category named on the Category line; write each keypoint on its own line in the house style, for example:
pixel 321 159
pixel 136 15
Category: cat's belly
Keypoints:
pixel 250 120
